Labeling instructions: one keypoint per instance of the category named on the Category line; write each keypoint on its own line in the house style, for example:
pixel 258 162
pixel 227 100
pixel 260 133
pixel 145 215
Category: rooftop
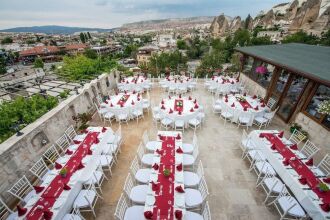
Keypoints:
pixel 307 60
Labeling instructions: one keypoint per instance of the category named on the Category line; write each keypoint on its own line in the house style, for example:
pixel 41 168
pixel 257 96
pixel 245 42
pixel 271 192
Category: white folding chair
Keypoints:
pixel 271 103
pixel 6 213
pixel 124 212
pixel 71 132
pixel 308 150
pixel 141 175
pixel 22 189
pixel 287 206
pixel 196 197
pixel 74 215
pixel 194 123
pixel 137 112
pixel 97 178
pixel 137 194
pixel 192 179
pixel 206 214
pixel 146 159
pixel 261 167
pixel 51 154
pixel 272 186
pixel 150 145
pixel 63 143
pixel 86 200
pixel 246 144
pixel 227 113
pixel 189 160
pixel 40 169
pixel 106 161
pixel 188 148
pixel 245 118
pixel 216 106
pixel 166 123
pixel 297 137
pixel 323 168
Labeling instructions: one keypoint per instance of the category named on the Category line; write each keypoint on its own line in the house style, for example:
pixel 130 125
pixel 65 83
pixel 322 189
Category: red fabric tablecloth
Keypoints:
pixel 245 104
pixel 123 100
pixel 167 160
pixel 55 188
pixel 300 167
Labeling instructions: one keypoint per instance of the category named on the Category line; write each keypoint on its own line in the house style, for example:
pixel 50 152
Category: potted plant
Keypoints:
pixel 322 187
pixel 63 172
pixel 166 172
pixel 324 107
pixel 294 126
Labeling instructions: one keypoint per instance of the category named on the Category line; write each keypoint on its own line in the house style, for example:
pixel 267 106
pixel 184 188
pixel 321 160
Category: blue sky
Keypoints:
pixel 113 13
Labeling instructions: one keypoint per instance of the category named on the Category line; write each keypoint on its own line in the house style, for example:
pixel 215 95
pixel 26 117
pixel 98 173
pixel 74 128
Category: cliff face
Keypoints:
pixel 308 15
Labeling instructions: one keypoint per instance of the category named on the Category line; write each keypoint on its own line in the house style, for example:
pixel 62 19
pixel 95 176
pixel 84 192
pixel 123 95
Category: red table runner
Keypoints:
pixel 300 167
pixel 55 188
pixel 123 99
pixel 166 184
pixel 178 105
pixel 245 104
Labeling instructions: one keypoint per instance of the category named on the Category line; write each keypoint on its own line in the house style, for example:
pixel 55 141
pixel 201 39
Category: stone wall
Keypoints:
pixel 319 135
pixel 252 86
pixel 18 154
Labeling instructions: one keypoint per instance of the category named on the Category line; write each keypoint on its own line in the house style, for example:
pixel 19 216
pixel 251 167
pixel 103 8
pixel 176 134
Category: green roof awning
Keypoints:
pixel 310 61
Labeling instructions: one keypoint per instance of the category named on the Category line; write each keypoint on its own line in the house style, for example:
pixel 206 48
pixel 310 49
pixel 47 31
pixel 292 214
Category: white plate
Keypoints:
pixel 179 201
pixel 179 177
pixel 178 159
pixel 32 201
pixel 59 202
pixel 150 200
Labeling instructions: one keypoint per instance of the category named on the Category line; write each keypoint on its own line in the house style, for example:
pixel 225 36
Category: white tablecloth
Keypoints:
pixel 129 84
pixel 289 177
pixel 128 107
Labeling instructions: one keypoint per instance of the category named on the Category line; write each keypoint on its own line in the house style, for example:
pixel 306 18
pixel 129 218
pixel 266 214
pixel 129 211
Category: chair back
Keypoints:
pixel 206 212
pixel 145 137
pixel 5 211
pixel 324 165
pixel 51 154
pixel 39 169
pixel 309 149
pixel 121 208
pixel 76 213
pixel 63 143
pixel 140 151
pixel 71 132
pixel 202 187
pixel 271 103
pixel 297 137
pixel 135 166
pixel 21 188
pixel 129 184
pixel 200 169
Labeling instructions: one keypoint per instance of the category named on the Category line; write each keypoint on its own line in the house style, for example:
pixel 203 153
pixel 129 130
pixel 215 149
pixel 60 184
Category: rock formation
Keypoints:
pixel 220 25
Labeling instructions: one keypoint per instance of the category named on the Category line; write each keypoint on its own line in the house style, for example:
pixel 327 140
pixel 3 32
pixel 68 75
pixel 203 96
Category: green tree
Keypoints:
pixel 7 40
pixel 301 37
pixel 89 35
pixel 38 63
pixel 261 40
pixel 82 37
pixel 211 62
pixel 325 38
pixel 91 54
pixel 130 50
pixel 181 44
pixel 2 65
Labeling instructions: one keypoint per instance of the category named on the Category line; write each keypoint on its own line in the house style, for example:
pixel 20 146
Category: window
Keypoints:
pixel 264 79
pixel 321 94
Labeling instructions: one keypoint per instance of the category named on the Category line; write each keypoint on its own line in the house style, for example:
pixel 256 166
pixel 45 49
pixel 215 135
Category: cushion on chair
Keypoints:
pixel 153 145
pixel 147 159
pixel 188 160
pixel 193 197
pixel 139 193
pixel 143 175
pixel 187 148
pixel 84 198
pixel 190 179
pixel 192 216
pixel 135 213
pixel 286 202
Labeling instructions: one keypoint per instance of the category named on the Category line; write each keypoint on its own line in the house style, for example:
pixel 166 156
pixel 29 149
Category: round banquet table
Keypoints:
pixel 132 83
pixel 113 104
pixel 190 108
pixel 252 104
pixel 223 84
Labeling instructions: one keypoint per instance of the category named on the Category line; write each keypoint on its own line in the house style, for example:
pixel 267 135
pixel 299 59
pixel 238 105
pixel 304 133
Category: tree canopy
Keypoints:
pixel 38 63
pixel 303 37
pixel 7 40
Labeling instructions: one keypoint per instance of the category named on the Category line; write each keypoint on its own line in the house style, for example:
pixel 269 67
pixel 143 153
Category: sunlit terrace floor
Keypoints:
pixel 233 194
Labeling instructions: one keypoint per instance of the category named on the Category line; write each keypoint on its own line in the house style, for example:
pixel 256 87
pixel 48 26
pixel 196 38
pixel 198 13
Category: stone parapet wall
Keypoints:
pixel 319 135
pixel 252 86
pixel 18 154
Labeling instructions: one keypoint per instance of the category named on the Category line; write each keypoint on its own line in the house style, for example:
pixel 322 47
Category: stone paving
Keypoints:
pixel 233 195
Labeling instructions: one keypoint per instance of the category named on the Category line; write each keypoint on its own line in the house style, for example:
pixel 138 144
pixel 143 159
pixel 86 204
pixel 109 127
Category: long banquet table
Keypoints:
pixel 54 198
pixel 166 197
pixel 277 151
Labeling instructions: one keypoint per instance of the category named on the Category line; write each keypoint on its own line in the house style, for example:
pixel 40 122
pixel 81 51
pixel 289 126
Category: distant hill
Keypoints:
pixel 53 29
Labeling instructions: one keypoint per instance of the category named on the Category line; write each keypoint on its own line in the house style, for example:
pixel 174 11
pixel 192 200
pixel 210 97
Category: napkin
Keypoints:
pixel 178 214
pixel 132 102
pixel 261 135
pixel 325 207
pixel 160 152
pixel 111 105
pixel 58 166
pixel 232 82
pixel 256 108
pixel 160 137
pixel 21 211
pixel 68 152
pixel 180 96
pixel 169 97
pixel 180 112
pixel 309 162
pixel 38 189
pixel 273 147
pixel 294 147
pixel 48 215
pixel 244 94
pixel 179 167
pixel 226 100
pixel 192 110
pixel 89 152
pixel 263 105
pixel 138 99
pixel 254 97
pixel 106 102
pixel 134 92
pixel 96 141
pixel 121 105
pixel 196 106
pixel 286 162
pixel 233 105
pixel 171 111
pixel 245 109
pixel 237 80
pixel 148 214
pixel 226 96
pixel 155 166
pixel 179 189
pixel 76 142
pixel 178 137
pixel 163 107
pixel 280 135
pixel 66 187
pixel 116 93
pixel 80 166
pixel 190 98
pixel 179 150
pixel 85 131
pixel 154 186
pixel 104 129
pixel 326 180
pixel 195 101
pixel 303 180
